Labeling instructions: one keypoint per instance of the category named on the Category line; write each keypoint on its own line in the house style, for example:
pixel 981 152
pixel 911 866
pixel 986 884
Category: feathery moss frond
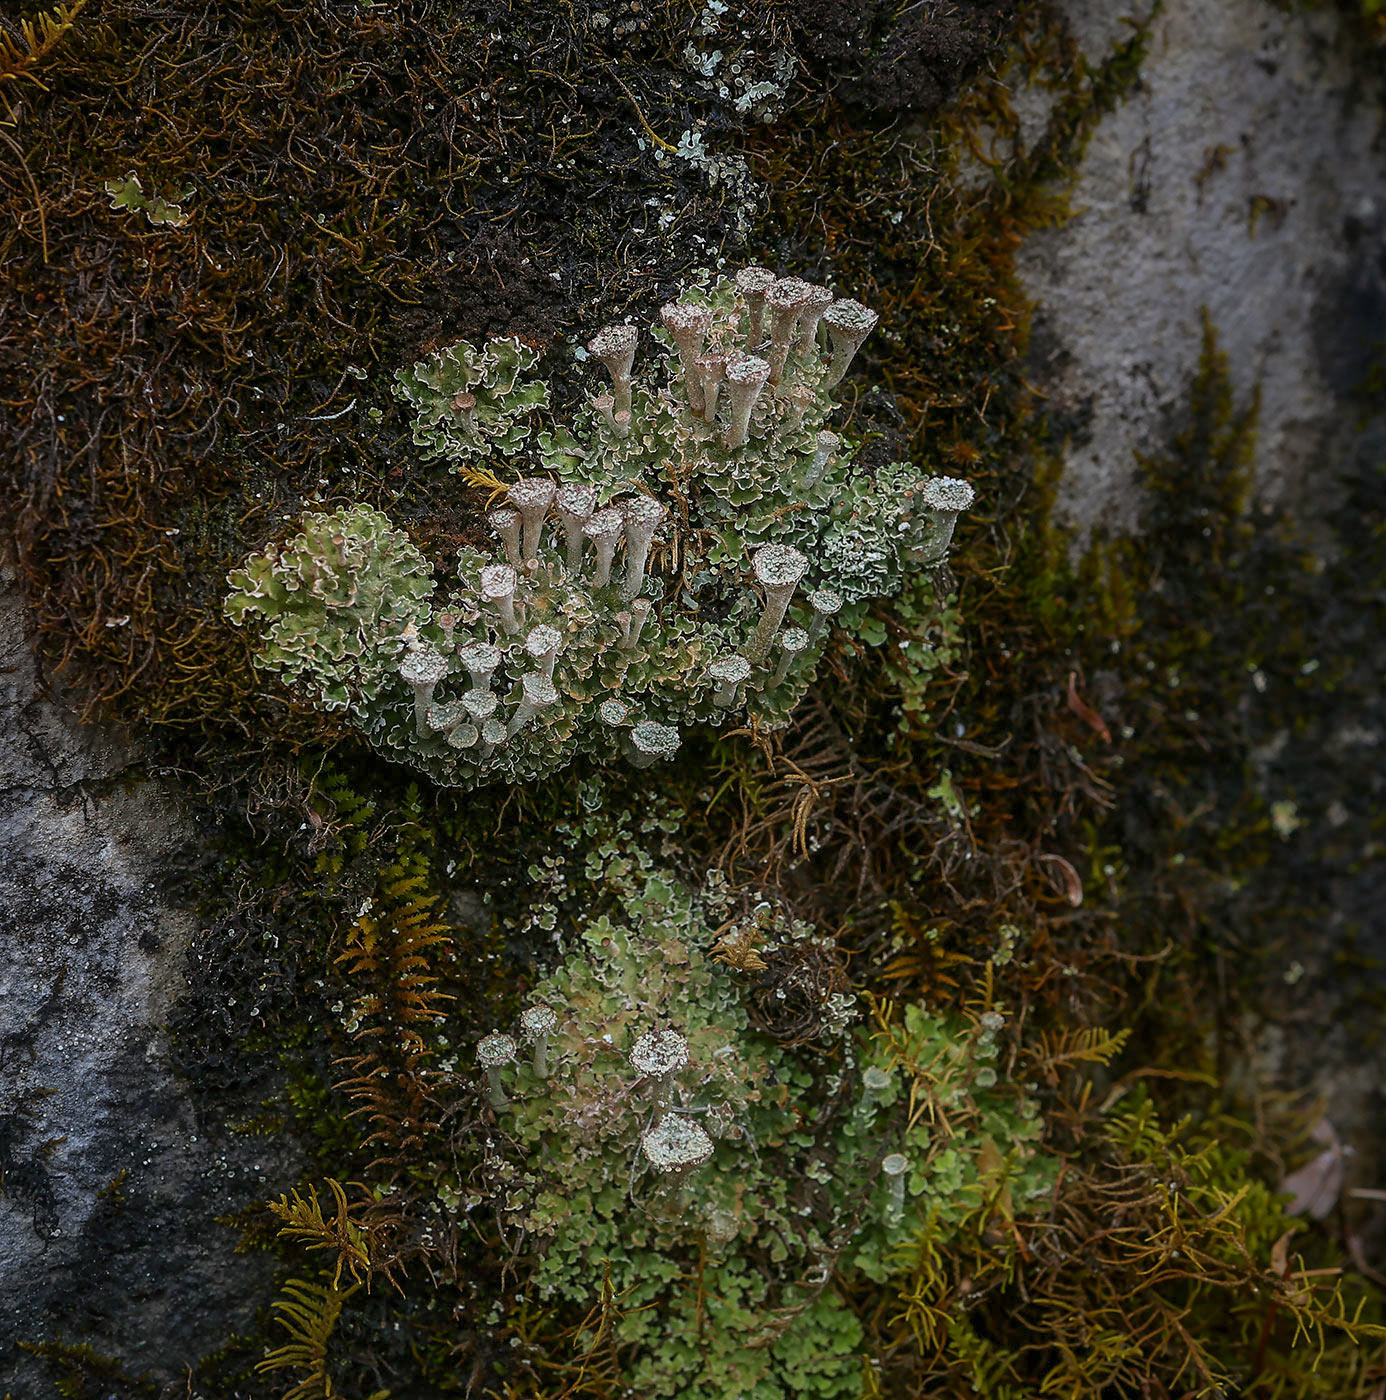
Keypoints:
pixel 308 1312
pixel 37 38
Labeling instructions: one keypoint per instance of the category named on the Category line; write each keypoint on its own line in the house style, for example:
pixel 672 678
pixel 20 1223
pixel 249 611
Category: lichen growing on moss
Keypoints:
pixel 339 597
pixel 468 402
pixel 932 798
pixel 726 1189
pixel 718 476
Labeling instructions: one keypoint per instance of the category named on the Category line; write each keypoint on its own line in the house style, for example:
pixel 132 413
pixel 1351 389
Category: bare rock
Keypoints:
pixel 112 1176
pixel 1240 177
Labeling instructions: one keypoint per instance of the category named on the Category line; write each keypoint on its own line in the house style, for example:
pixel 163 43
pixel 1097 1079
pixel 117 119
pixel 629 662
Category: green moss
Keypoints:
pixel 81 1373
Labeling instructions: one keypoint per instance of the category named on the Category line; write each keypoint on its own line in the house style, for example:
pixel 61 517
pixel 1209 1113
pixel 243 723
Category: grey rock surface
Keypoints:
pixel 1246 176
pixel 111 1178
pixel 1243 176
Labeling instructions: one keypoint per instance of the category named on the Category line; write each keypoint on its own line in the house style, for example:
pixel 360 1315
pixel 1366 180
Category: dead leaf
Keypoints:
pixel 1063 877
pixel 1316 1186
pixel 1084 711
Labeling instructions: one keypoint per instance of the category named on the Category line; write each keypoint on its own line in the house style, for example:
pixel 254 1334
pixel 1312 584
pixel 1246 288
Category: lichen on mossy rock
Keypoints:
pixel 667 1134
pixel 747 530
pixel 470 402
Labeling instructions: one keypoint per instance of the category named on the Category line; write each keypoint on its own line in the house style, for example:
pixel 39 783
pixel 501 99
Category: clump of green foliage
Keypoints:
pixel 717 467
pixel 129 193
pixel 338 598
pixel 1166 1265
pixel 469 402
pixel 831 1152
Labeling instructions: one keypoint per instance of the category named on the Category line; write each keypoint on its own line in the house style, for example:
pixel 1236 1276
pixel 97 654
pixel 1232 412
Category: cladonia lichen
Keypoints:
pixel 720 1172
pixel 678 553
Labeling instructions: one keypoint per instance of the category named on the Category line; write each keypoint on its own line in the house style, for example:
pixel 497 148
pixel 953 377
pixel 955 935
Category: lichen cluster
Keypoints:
pixel 338 592
pixel 654 1132
pixel 679 556
pixel 471 402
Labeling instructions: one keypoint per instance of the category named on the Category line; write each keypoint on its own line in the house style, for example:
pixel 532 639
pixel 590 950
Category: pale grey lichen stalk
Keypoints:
pixel 493 1053
pixel 659 1056
pixel 604 530
pixel 505 521
pixel 746 375
pixel 728 673
pixel 575 502
pixel 680 551
pixel 537 1023
pixel 848 323
pixel 688 324
pixel 532 498
pixel 787 297
pixel 615 348
pixel 641 517
pixel 752 283
pixel 778 569
pixel 894 1167
pixel 943 500
pixel 498 584
pixel 874 1082
pixel 421 671
pixel 826 605
pixel 793 642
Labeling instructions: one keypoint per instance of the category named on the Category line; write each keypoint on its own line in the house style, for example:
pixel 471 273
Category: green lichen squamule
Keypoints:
pixel 469 402
pixel 339 599
pixel 679 556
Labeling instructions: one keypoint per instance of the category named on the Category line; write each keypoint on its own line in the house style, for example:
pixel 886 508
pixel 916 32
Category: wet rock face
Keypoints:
pixel 1239 177
pixel 111 1177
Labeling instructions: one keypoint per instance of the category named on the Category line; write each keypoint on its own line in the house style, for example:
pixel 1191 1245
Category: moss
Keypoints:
pixel 80 1373
pixel 1368 24
pixel 1160 1222
pixel 371 181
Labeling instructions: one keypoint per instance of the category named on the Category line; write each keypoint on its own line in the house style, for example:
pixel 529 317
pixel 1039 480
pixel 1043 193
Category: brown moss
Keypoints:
pixel 890 59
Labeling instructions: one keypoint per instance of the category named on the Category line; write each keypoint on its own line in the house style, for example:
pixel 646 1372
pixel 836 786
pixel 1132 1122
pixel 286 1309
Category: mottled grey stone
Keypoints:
pixel 1241 176
pixel 112 1174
